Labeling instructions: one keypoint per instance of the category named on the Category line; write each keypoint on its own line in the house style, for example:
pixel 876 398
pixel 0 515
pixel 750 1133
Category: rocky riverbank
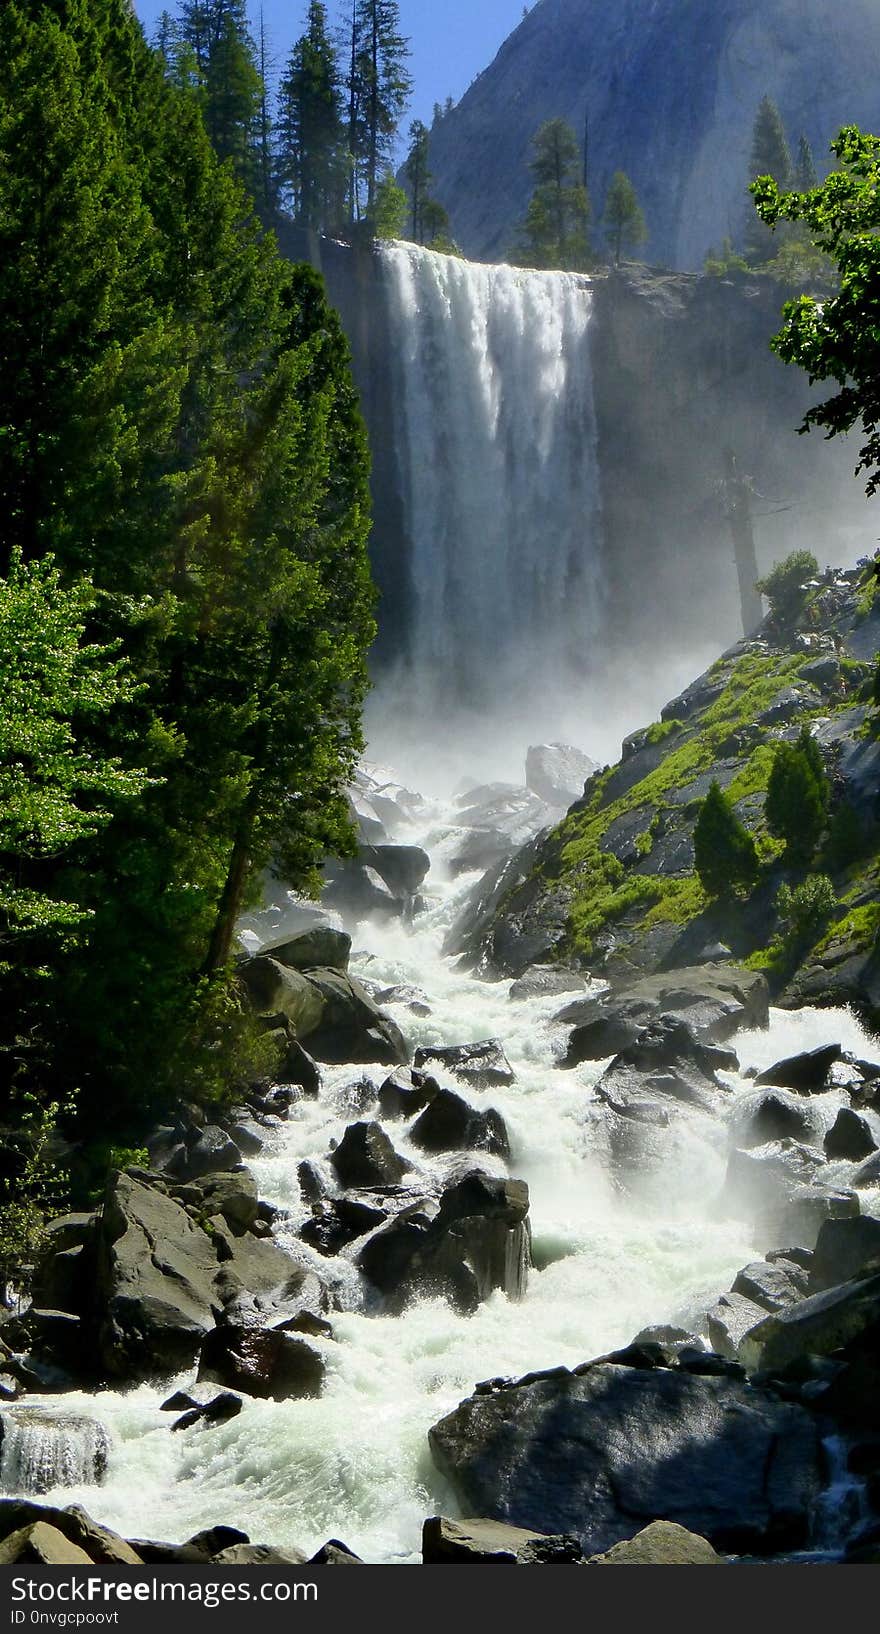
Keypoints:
pixel 417 1201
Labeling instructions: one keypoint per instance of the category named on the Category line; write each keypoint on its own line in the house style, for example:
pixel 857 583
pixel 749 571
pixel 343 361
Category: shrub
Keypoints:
pixel 806 910
pixel 725 854
pixel 783 585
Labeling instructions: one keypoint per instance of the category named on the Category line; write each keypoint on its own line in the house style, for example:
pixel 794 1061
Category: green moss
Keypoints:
pixel 755 775
pixel 860 927
pixel 682 899
pixel 660 730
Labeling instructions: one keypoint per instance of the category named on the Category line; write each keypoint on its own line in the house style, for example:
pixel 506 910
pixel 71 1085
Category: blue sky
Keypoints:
pixel 452 40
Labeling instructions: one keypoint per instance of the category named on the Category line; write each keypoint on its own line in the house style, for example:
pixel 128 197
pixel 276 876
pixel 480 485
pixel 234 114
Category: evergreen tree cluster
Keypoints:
pixel 185 602
pixel 319 147
pixel 787 254
pixel 556 231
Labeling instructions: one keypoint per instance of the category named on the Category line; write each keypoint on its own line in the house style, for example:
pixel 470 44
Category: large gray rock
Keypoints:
pixel 263 1362
pixel 274 989
pixel 41 1545
pixel 484 1065
pixel 449 1123
pixel 403 868
pixel 366 1157
pixel 154 1294
pixel 603 1451
pixel 806 1073
pixel 844 1249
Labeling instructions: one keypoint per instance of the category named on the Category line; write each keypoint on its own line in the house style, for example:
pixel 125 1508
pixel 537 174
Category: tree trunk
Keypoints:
pixel 229 906
pixel 739 515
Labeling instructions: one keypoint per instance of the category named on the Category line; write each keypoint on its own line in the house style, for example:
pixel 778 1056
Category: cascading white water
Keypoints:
pixel 495 438
pixel 354 1463
pixel 40 1451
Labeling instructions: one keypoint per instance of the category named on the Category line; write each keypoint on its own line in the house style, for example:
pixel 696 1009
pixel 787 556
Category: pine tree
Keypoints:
pixel 798 795
pixel 725 854
pixel 379 89
pixel 805 175
pixel 391 208
pixel 770 155
pixel 554 232
pixel 623 216
pixel 218 35
pixel 312 153
pixel 418 174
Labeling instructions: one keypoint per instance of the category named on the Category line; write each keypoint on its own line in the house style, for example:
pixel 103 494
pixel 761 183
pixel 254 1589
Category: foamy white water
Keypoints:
pixel 355 1463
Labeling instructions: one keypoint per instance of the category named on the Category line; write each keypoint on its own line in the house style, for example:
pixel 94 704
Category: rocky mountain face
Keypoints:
pixel 670 89
pixel 613 888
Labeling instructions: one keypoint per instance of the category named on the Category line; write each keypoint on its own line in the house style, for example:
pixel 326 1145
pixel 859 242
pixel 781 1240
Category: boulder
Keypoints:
pixel 557 772
pixel 338 1221
pixel 817 1326
pixel 483 1065
pixel 403 868
pixel 605 1450
pixel 41 1545
pixel 154 1291
pixel 406 1093
pixel 258 1554
pixel 605 1035
pixel 233 1196
pixel 210 1151
pixel 321 945
pixel 475 1241
pixel 850 1137
pixel 366 1157
pixel 545 981
pixel 660 1544
pixel 491 1543
pixel 262 1362
pixel 730 1319
pixel 273 990
pixel 218 1411
pixel 335 1553
pixel 352 1027
pixel 772 1286
pixel 99 1544
pixel 359 892
pixel 844 1249
pixel 300 1068
pixel 868 1173
pixel 777 1115
pixel 805 1073
pixel 715 1000
pixel 449 1123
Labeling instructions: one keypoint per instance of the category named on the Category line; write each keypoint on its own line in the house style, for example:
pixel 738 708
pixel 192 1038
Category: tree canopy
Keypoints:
pixel 555 230
pixel 838 338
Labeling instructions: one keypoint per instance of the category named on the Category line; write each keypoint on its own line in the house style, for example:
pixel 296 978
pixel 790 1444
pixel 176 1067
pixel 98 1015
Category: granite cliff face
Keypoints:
pixel 671 88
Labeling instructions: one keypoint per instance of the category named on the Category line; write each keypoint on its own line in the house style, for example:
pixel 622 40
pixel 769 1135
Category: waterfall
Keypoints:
pixel 494 434
pixel 40 1451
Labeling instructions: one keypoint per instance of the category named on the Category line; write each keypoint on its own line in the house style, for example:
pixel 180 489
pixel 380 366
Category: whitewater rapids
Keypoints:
pixel 355 1464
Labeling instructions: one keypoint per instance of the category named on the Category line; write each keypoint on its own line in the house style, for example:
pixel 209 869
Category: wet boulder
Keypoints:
pixel 475 1241
pixel 716 1000
pixel 233 1196
pixel 338 1221
pixel 778 1115
pixel 41 1545
pixel 545 981
pixel 806 1073
pixel 258 1554
pixel 403 868
pixel 100 1545
pixel 366 1157
pixel 449 1123
pixel 605 1450
pixel 264 1362
pixel 335 1553
pixel 219 1410
pixel 851 1136
pixel 405 1094
pixel 772 1285
pixel 730 1319
pixel 483 1065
